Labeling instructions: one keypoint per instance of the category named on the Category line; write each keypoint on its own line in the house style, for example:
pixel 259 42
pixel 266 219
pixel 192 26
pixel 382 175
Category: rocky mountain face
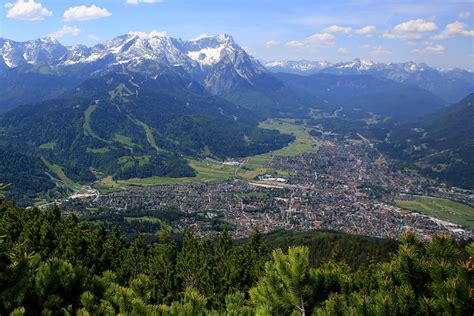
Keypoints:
pixel 218 63
pixel 451 85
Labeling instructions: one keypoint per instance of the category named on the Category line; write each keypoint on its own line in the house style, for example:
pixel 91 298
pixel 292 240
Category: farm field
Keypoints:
pixel 443 209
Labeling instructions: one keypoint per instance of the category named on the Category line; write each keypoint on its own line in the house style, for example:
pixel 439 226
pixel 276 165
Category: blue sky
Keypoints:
pixel 440 33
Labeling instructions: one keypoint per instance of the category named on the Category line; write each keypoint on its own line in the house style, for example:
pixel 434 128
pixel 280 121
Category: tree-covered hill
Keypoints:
pixel 440 145
pixel 370 94
pixel 56 265
pixel 127 126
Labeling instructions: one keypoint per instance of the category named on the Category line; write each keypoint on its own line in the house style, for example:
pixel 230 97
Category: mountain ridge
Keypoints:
pixel 205 60
pixel 451 85
pixel 440 145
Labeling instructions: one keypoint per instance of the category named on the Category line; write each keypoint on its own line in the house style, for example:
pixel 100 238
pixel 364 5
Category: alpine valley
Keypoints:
pixel 148 106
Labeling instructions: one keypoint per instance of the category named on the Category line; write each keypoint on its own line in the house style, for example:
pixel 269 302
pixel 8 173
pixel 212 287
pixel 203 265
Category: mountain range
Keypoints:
pixel 217 63
pixel 44 68
pixel 450 85
pixel 142 106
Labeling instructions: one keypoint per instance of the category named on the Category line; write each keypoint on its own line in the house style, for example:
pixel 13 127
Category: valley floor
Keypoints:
pixel 314 183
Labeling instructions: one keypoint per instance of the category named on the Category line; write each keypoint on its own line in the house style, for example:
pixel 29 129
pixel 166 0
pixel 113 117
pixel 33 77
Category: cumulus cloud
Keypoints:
pixel 152 34
pixel 93 37
pixel 464 15
pixel 430 48
pixel 65 30
pixel 380 50
pixel 142 1
pixel 318 39
pixel 417 26
pixel 342 50
pixel 321 39
pixel 27 10
pixel 455 29
pixel 367 30
pixel 338 29
pixel 411 30
pixel 83 13
pixel 272 43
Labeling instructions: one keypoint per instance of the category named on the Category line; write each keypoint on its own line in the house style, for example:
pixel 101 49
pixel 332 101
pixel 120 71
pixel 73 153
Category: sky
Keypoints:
pixel 440 33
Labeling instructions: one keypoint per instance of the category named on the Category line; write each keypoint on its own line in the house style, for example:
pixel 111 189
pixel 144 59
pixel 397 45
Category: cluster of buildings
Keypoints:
pixel 345 186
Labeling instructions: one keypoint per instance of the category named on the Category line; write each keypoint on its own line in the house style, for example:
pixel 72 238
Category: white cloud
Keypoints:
pixel 380 50
pixel 142 1
pixel 197 38
pixel 272 43
pixel 65 30
pixel 319 39
pixel 367 30
pixel 295 44
pixel 93 37
pixel 430 48
pixel 27 10
pixel 83 13
pixel 411 30
pixel 152 34
pixel 338 29
pixel 417 26
pixel 464 15
pixel 454 30
pixel 342 50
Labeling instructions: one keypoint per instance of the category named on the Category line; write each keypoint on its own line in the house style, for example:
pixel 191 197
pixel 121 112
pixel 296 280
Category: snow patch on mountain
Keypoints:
pixel 207 60
pixel 207 56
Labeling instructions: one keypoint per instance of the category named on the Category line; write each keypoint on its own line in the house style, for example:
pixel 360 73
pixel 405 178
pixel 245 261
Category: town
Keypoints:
pixel 345 186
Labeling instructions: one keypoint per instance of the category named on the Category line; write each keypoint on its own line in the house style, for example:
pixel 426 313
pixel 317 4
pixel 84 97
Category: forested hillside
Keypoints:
pixel 128 127
pixel 57 265
pixel 440 145
pixel 370 94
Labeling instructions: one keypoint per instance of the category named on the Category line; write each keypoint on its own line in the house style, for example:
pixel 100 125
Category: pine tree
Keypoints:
pixel 286 286
pixel 134 259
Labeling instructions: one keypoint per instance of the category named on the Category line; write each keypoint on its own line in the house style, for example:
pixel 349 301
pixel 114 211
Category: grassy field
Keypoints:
pixel 50 146
pixel 149 134
pixel 87 123
pixel 59 172
pixel 209 170
pixel 148 219
pixel 127 141
pixel 304 142
pixel 102 150
pixel 441 208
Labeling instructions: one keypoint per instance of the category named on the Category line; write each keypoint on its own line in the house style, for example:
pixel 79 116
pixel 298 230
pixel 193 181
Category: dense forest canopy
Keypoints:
pixel 55 265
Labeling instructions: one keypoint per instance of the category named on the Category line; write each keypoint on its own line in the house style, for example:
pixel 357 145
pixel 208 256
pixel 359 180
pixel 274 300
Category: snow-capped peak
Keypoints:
pixel 208 51
pixel 301 66
pixel 152 34
pixel 357 64
pixel 147 53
